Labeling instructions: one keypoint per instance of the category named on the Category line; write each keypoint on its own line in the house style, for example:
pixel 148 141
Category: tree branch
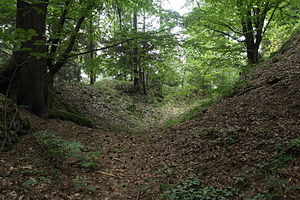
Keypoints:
pixel 223 33
pixel 112 45
pixel 56 40
pixel 271 17
pixel 63 58
pixel 102 48
pixel 226 26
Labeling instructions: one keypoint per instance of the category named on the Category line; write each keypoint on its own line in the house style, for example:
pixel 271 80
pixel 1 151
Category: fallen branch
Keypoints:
pixel 119 160
pixel 112 175
pixel 108 174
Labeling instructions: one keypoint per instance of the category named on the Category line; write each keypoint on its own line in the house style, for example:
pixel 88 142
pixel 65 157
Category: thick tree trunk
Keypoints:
pixel 29 82
pixel 252 55
pixel 253 22
pixel 248 30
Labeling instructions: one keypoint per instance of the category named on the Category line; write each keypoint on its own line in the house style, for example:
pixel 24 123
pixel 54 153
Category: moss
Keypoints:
pixel 70 116
pixel 60 110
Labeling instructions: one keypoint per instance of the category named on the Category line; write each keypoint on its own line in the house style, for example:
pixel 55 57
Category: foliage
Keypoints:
pixel 59 150
pixel 213 61
pixel 80 185
pixel 193 190
pixel 216 39
pixel 276 39
pixel 227 19
pixel 287 44
pixel 38 181
pixel 284 154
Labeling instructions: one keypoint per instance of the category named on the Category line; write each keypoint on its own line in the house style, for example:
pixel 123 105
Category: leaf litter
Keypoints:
pixel 228 146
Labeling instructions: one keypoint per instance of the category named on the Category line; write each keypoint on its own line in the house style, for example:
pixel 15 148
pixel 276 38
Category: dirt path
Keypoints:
pixel 127 168
pixel 234 144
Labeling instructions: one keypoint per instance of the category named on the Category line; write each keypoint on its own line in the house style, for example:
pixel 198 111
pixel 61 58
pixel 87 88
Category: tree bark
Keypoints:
pixel 248 30
pixel 253 20
pixel 92 54
pixel 136 71
pixel 29 81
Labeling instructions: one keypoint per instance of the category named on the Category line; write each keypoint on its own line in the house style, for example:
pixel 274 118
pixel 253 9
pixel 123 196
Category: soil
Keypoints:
pixel 235 138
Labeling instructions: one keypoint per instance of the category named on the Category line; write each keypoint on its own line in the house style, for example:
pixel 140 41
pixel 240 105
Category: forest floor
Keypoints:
pixel 244 147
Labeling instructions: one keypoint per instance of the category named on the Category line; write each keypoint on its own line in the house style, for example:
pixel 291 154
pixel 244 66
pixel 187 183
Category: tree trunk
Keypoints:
pixel 144 82
pixel 143 70
pixel 253 22
pixel 92 78
pixel 78 70
pixel 252 54
pixel 248 30
pixel 136 80
pixel 29 82
pixel 92 54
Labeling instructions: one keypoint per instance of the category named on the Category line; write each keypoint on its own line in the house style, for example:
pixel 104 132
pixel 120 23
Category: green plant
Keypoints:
pixel 258 197
pixel 29 182
pixel 34 172
pixel 60 150
pixel 275 187
pixel 230 139
pixel 54 146
pixel 36 181
pixel 80 185
pixel 284 154
pixel 193 190
pixel 240 179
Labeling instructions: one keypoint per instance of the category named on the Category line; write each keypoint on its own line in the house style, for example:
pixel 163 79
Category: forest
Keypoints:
pixel 150 99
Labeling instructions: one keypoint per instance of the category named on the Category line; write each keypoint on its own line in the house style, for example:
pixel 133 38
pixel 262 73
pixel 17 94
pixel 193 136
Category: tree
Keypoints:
pixel 38 55
pixel 145 56
pixel 242 20
pixel 56 59
pixel 28 83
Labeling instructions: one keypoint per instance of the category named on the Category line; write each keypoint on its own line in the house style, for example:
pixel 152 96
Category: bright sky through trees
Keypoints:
pixel 176 5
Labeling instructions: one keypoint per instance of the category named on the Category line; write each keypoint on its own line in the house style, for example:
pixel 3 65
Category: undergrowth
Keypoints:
pixel 194 190
pixel 61 151
pixel 284 153
pixel 276 183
